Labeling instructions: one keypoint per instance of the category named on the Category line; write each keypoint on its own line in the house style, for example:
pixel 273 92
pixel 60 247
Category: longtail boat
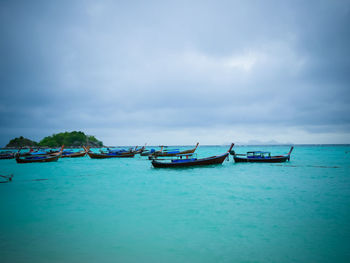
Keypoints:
pixel 147 152
pixel 37 152
pixel 260 157
pixel 71 154
pixel 39 158
pixel 151 151
pixel 187 160
pixel 170 153
pixel 6 178
pixel 139 151
pixel 104 155
pixel 7 155
pixel 114 151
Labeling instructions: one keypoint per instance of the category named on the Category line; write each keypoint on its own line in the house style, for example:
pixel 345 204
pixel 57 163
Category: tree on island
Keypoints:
pixel 21 142
pixel 75 138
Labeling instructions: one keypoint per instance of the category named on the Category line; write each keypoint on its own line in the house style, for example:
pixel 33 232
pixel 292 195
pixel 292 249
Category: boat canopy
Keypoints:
pixel 258 154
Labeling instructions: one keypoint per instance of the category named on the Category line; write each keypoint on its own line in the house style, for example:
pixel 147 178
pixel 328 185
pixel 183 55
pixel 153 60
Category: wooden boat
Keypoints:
pixel 118 150
pixel 260 157
pixel 139 151
pixel 105 155
pixel 39 158
pixel 7 155
pixel 38 152
pixel 75 154
pixel 146 152
pixel 6 178
pixel 151 151
pixel 187 160
pixel 172 153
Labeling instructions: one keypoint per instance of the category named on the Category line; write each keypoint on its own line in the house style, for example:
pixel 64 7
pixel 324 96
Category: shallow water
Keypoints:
pixel 123 210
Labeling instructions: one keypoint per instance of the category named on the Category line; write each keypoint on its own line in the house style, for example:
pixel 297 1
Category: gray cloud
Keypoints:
pixel 112 67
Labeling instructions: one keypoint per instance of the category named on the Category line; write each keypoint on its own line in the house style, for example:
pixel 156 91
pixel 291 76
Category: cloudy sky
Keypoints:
pixel 176 72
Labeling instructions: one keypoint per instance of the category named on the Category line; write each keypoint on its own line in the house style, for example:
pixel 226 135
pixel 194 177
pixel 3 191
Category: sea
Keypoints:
pixel 124 210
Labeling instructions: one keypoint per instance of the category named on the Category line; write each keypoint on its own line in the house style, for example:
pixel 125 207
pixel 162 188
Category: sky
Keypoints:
pixel 176 72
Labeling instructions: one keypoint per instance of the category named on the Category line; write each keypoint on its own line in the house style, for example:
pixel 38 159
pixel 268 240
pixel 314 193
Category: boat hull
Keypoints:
pixel 7 156
pixel 281 159
pixel 106 156
pixel 44 160
pixel 74 155
pixel 199 162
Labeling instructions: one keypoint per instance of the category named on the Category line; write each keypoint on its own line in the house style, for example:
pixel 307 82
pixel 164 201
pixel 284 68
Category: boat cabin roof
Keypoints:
pixel 258 152
pixel 185 156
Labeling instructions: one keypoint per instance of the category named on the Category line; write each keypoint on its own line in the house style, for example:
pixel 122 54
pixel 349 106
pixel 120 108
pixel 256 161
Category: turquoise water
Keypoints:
pixel 123 210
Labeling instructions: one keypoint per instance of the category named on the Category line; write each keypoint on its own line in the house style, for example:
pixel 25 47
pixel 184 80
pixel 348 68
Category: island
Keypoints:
pixel 68 139
pixel 21 142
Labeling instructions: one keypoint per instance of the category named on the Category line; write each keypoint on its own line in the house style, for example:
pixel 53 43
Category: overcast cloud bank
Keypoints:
pixel 176 72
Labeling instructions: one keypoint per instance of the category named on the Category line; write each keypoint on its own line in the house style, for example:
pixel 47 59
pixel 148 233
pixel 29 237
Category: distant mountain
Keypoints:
pixel 257 142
